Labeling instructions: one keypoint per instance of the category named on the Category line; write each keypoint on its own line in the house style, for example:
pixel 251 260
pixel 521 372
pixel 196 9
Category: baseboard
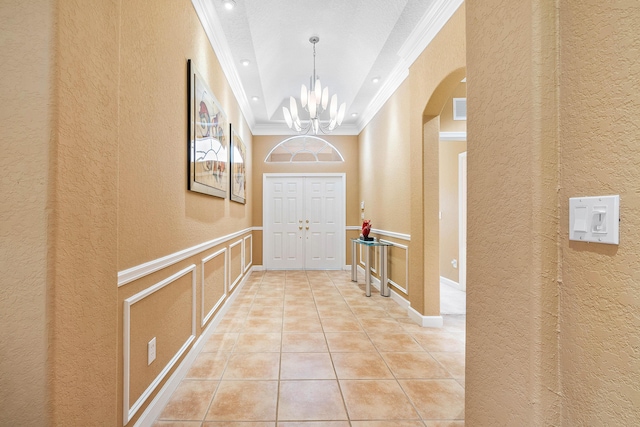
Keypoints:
pixel 257 268
pixel 425 321
pixel 449 282
pixel 152 412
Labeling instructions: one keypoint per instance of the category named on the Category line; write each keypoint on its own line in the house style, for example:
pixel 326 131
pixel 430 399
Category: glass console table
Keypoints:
pixel 384 287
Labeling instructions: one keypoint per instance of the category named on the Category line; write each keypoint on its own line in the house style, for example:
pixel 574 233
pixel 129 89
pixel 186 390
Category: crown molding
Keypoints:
pixel 427 29
pixel 276 128
pixel 212 27
pixel 424 33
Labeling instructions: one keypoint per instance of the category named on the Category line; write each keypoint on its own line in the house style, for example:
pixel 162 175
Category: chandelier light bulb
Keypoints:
pixel 314 100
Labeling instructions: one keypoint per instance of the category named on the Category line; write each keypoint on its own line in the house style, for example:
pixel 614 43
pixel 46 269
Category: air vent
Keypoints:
pixel 459 108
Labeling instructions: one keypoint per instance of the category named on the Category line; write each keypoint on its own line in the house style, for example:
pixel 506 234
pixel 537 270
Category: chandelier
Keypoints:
pixel 314 101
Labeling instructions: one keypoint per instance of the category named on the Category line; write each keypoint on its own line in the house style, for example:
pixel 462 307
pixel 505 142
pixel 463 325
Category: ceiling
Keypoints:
pixel 359 40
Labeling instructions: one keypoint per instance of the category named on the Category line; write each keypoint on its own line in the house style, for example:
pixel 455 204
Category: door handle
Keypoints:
pixel 307 221
pixel 307 227
pixel 299 227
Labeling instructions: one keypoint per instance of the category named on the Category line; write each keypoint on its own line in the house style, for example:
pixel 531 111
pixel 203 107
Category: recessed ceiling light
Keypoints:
pixel 255 98
pixel 245 62
pixel 229 4
pixel 375 79
pixel 354 114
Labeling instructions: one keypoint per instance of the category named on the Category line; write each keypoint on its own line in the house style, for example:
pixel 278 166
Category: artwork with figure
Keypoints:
pixel 209 141
pixel 238 168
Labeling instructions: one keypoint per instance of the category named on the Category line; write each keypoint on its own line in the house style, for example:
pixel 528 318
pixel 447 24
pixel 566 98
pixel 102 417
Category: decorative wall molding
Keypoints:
pixel 213 29
pixel 205 318
pixel 237 279
pixel 353 228
pixel 453 136
pixel 258 228
pixel 130 411
pixel 449 282
pixel 153 410
pixel 406 274
pixel 247 265
pixel 422 35
pixel 135 273
pixel 425 321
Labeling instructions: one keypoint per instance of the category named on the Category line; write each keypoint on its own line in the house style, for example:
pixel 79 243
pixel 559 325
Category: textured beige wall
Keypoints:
pixel 512 371
pixel 347 145
pixel 84 311
pixel 552 113
pixel 156 214
pixel 600 155
pixel 26 114
pixel 384 165
pixel 449 223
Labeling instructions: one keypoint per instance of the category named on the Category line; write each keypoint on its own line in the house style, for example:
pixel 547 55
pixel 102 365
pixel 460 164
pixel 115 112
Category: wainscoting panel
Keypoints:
pixel 248 252
pixel 236 250
pixel 398 259
pixel 165 311
pixel 214 283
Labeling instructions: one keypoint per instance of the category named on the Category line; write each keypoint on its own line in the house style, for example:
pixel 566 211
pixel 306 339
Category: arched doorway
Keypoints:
pixel 431 197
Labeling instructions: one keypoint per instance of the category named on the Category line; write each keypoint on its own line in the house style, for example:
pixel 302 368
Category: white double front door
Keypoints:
pixel 304 221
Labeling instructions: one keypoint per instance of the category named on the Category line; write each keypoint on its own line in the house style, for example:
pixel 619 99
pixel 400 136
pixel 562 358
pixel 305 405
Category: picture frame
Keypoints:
pixel 238 169
pixel 208 139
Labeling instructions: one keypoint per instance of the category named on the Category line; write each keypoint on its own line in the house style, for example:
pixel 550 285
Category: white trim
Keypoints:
pixel 130 411
pixel 453 136
pixel 206 318
pixel 449 282
pixel 389 87
pixel 212 27
pixel 135 273
pixel 259 228
pixel 237 279
pixel 280 128
pixel 258 268
pixel 248 264
pixel 391 234
pixel 154 409
pixel 406 264
pixel 353 227
pixel 422 35
pixel 425 321
pixel 427 29
pixel 266 159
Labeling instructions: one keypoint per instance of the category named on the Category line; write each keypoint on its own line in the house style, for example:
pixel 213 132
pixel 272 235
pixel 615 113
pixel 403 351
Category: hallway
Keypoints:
pixel 308 348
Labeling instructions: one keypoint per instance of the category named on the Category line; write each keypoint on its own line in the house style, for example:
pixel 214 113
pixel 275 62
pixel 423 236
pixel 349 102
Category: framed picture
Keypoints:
pixel 238 168
pixel 208 138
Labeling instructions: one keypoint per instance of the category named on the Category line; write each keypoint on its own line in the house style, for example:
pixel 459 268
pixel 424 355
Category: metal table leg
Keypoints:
pixel 367 271
pixel 354 263
pixel 384 286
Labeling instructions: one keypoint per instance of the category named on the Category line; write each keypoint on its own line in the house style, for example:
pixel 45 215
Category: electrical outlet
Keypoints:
pixel 151 351
pixel 362 215
pixel 454 263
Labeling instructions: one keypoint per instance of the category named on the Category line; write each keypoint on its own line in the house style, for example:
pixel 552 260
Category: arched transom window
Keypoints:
pixel 304 148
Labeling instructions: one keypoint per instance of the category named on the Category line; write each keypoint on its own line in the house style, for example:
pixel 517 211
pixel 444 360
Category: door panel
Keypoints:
pixel 324 205
pixel 284 241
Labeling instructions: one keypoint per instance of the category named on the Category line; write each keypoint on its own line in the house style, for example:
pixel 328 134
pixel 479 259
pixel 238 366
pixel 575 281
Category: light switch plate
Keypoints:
pixel 595 219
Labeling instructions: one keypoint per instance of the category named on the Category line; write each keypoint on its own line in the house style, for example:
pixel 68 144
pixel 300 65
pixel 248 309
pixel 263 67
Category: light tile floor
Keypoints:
pixel 308 349
pixel 452 300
